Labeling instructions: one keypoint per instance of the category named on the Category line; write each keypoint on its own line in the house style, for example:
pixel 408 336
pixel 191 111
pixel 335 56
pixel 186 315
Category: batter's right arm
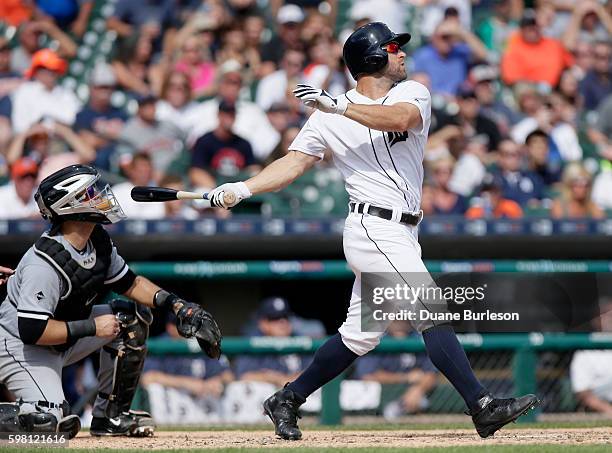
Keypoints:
pixel 274 177
pixel 281 172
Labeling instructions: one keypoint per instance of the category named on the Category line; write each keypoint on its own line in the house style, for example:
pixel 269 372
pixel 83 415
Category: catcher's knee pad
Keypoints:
pixel 129 351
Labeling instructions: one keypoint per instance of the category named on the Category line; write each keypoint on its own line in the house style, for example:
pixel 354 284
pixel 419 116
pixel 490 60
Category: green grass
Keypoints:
pixel 466 449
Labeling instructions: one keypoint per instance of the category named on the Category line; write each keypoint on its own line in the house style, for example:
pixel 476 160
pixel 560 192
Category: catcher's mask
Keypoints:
pixel 72 193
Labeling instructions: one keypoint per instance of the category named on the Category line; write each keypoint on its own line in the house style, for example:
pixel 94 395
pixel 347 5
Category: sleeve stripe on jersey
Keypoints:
pixel 21 310
pixel 118 276
pixel 41 316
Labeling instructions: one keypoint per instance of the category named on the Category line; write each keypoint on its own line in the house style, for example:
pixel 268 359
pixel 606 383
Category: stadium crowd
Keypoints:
pixel 192 93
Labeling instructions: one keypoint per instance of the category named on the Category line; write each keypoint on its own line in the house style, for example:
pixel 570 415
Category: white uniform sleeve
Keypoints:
pixel 580 372
pixel 39 292
pixel 117 269
pixel 418 95
pixel 310 139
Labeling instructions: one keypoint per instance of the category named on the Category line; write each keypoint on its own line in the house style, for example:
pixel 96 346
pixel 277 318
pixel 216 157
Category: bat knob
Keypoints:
pixel 229 198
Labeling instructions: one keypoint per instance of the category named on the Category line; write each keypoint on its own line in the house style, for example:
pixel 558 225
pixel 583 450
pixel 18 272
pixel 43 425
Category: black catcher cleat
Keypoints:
pixel 496 412
pixel 132 423
pixel 282 408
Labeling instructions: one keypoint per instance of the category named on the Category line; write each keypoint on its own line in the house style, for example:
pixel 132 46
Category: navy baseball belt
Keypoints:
pixel 406 218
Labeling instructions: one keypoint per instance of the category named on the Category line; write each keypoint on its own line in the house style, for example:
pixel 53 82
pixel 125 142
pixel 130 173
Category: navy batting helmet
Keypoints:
pixel 363 52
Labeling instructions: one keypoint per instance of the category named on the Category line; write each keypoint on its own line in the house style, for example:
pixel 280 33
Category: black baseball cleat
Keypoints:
pixel 132 423
pixel 282 408
pixel 495 412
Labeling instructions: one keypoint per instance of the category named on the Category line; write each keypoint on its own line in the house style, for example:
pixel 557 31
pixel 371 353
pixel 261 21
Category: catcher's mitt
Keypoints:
pixel 193 321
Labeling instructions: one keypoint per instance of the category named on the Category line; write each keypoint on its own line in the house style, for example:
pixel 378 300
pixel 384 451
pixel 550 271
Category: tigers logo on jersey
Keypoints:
pixel 395 137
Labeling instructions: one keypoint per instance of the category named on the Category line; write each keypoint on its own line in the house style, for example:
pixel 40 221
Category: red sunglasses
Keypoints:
pixel 392 47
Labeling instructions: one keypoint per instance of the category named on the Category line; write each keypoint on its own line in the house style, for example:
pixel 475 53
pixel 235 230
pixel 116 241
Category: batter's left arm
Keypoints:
pixel 389 118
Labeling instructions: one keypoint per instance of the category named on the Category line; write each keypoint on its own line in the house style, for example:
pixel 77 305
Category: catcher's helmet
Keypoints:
pixel 72 194
pixel 363 52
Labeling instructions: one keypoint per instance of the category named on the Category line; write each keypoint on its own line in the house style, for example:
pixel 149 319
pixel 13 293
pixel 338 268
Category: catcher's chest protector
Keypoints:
pixel 83 286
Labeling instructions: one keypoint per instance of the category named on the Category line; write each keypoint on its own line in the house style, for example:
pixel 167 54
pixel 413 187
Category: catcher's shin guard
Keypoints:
pixel 128 352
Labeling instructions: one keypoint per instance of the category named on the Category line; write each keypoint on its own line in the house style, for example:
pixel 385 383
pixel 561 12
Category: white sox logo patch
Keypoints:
pixel 395 137
pixel 40 295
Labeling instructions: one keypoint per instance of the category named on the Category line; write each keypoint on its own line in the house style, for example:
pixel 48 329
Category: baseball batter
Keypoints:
pixel 50 319
pixel 377 134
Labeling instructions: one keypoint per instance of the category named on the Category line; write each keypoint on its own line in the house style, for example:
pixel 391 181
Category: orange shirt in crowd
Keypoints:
pixel 14 12
pixel 541 62
pixel 505 208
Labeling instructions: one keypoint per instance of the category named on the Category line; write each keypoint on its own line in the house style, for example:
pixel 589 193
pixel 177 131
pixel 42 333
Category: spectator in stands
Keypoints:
pixel 41 138
pixel 251 121
pixel 9 82
pixel 175 105
pixel 470 166
pixel 99 123
pixel 254 27
pixel 446 59
pixel 150 20
pixel 288 135
pixel 596 85
pixel 574 200
pixel 200 375
pixel 541 160
pixel 491 202
pixel 139 172
pixel 15 12
pixel 179 209
pixel 272 88
pixel 524 187
pixel 232 47
pixel 414 372
pixel 195 62
pixel 29 44
pixel 602 186
pixel 589 23
pixel 221 153
pixel 600 132
pixel 40 97
pixel 583 59
pixel 289 19
pixel 18 195
pixel 144 133
pixel 324 68
pixel 133 68
pixel 569 88
pixel 317 25
pixel 557 118
pixel 273 321
pixel 475 126
pixel 68 14
pixel 495 30
pixel 484 79
pixel 531 57
pixel 590 370
pixel 278 115
pixel 9 79
pixel 440 200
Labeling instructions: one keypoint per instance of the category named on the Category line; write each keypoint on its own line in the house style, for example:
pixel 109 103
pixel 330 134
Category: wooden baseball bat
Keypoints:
pixel 150 194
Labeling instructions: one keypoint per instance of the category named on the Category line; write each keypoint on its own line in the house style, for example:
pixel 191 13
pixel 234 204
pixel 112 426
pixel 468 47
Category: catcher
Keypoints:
pixel 50 319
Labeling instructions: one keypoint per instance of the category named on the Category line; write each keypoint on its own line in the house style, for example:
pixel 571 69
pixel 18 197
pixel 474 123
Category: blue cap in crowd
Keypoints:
pixel 273 308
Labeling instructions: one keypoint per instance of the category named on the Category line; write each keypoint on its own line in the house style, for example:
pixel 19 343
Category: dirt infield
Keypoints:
pixel 350 439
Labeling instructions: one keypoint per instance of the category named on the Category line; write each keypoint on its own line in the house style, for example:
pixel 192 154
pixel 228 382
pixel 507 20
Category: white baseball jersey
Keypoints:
pixel 381 168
